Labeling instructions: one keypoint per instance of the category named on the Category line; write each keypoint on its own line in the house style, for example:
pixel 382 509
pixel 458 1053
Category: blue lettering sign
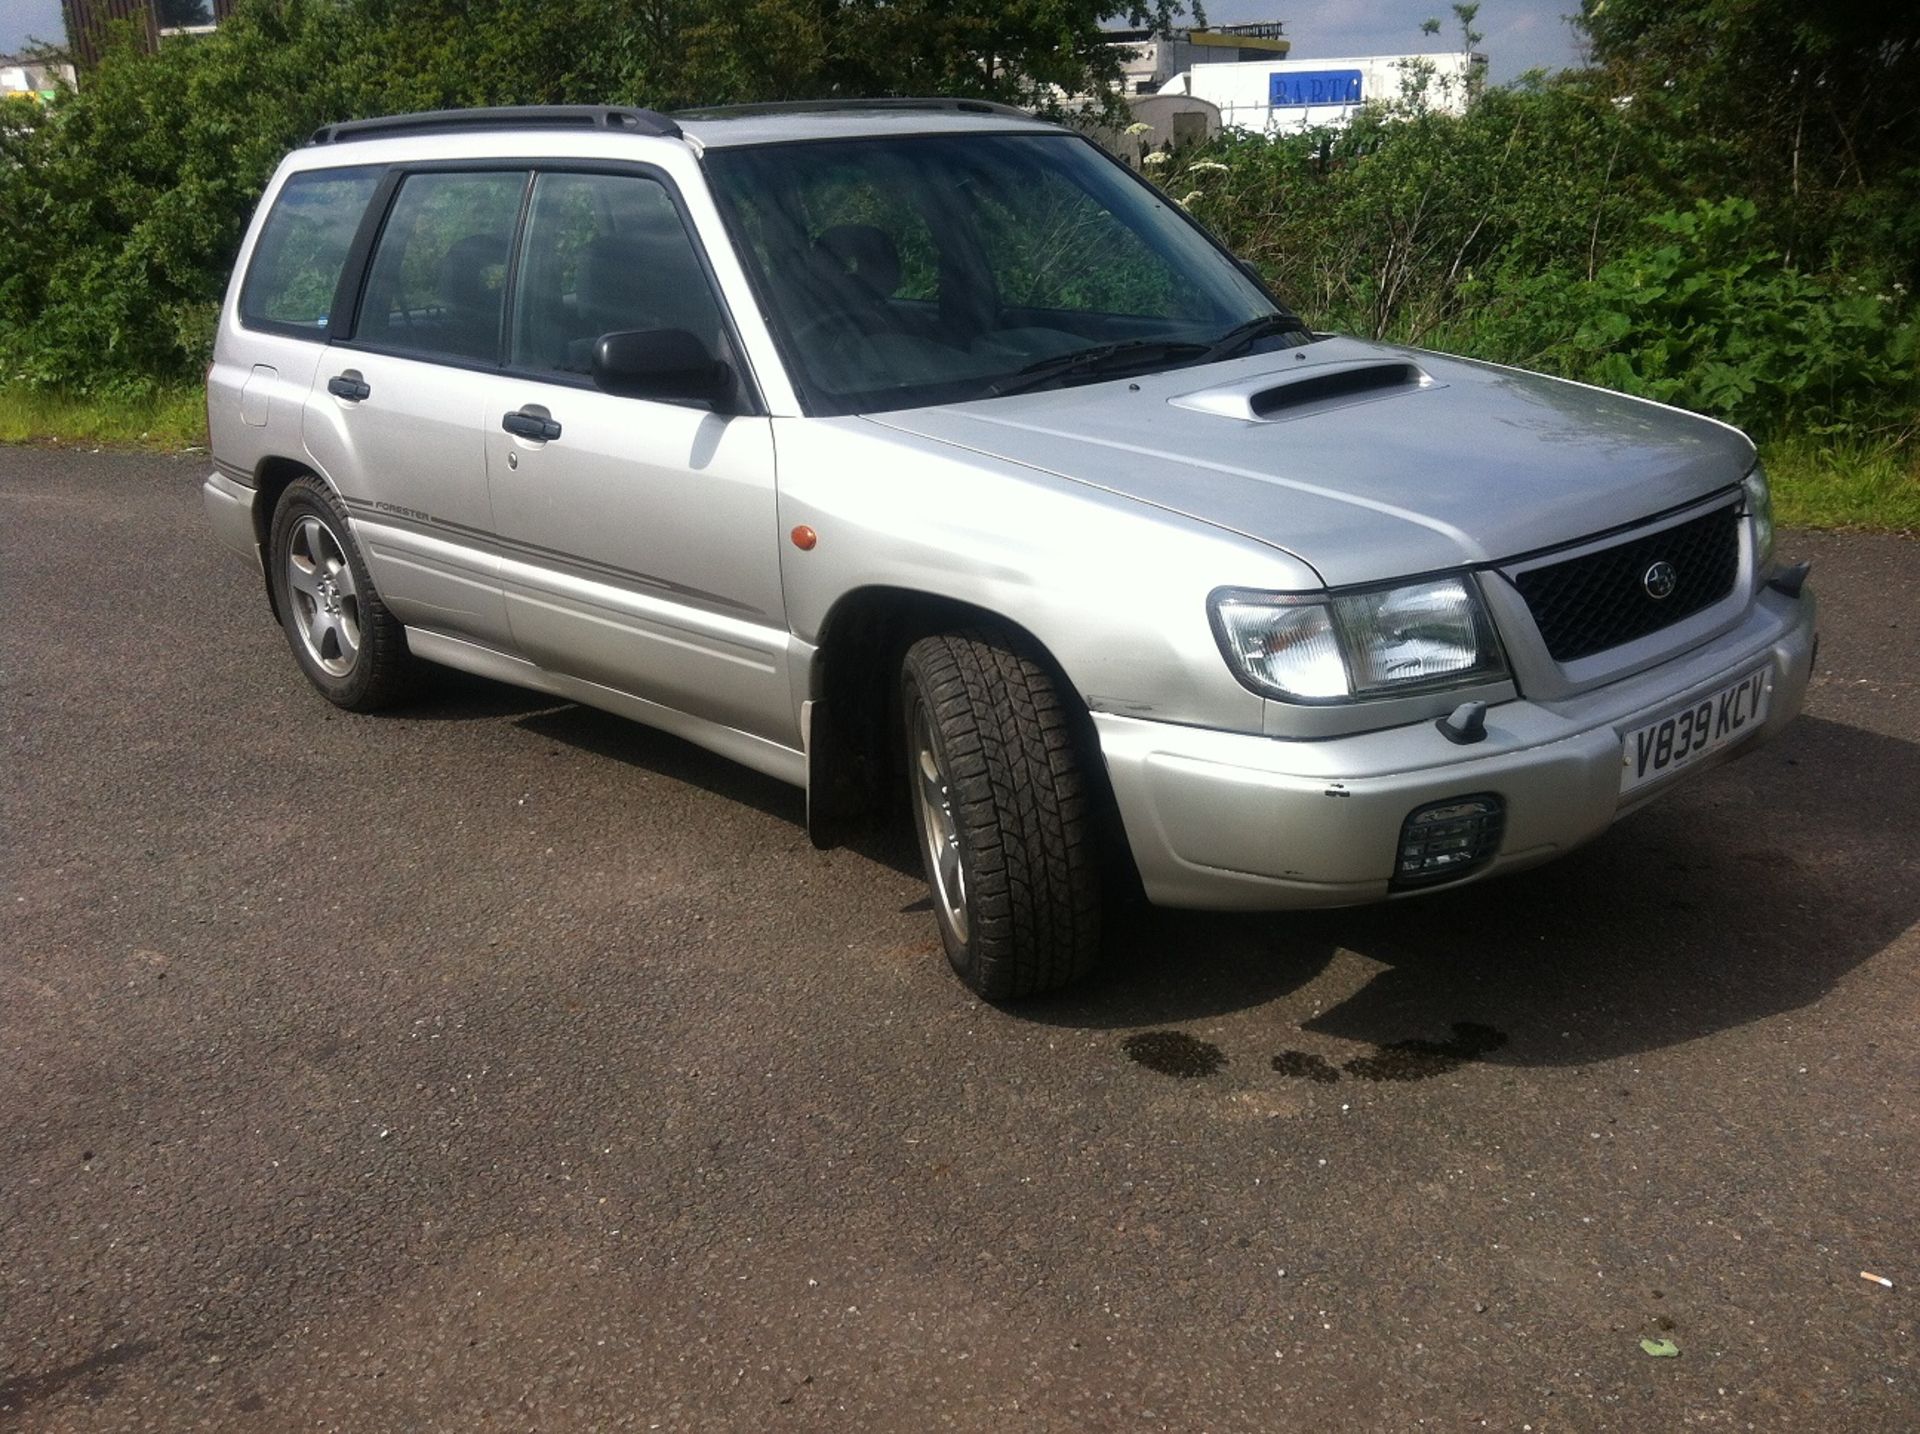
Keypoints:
pixel 1313 87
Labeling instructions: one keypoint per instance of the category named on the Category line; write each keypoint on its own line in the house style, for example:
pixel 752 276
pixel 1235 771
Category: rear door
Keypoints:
pixel 397 409
pixel 638 545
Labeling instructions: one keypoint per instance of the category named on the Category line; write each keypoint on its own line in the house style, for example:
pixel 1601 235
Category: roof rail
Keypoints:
pixel 608 117
pixel 784 107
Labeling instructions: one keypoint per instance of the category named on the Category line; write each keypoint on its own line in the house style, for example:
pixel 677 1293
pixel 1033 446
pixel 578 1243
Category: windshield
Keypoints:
pixel 930 269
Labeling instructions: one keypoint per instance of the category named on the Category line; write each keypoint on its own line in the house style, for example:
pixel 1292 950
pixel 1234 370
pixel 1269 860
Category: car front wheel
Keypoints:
pixel 1001 813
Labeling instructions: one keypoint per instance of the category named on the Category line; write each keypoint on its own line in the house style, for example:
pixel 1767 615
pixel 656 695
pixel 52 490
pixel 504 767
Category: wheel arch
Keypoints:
pixel 272 476
pixel 853 757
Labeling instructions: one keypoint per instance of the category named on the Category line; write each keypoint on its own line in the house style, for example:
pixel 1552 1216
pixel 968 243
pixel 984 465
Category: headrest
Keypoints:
pixel 865 253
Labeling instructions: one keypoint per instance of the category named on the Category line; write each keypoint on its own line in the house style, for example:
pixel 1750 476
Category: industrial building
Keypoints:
pixel 29 77
pixel 1152 58
pixel 1279 94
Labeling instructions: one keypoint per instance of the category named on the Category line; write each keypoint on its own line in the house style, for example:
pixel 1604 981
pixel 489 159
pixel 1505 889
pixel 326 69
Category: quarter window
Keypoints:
pixel 302 248
pixel 437 286
pixel 605 253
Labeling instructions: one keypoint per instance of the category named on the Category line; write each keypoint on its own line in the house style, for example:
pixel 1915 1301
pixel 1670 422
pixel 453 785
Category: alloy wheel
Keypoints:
pixel 326 601
pixel 939 828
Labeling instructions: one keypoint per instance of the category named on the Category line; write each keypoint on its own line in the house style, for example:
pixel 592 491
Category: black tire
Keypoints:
pixel 1022 826
pixel 379 670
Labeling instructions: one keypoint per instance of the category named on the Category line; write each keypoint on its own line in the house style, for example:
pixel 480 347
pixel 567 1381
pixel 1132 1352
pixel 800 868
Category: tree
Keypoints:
pixel 1813 102
pixel 126 200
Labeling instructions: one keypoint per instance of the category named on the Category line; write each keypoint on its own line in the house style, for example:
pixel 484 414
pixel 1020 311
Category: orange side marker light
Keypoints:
pixel 804 538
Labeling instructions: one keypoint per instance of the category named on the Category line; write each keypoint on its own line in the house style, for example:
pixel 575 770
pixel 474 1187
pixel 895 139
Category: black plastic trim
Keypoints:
pixel 619 118
pixel 1492 832
pixel 934 104
pixel 1790 581
pixel 1465 725
pixel 353 274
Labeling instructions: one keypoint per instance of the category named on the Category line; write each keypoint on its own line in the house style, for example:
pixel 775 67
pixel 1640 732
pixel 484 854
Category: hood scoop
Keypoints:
pixel 1316 388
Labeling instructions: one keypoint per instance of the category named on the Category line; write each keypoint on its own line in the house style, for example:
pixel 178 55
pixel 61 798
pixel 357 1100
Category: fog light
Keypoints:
pixel 1449 839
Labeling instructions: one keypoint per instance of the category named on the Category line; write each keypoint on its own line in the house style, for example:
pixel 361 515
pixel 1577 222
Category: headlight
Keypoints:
pixel 1760 509
pixel 1365 644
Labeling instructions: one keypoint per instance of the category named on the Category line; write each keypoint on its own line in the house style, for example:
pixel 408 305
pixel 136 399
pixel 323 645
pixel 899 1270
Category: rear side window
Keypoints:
pixel 438 283
pixel 302 248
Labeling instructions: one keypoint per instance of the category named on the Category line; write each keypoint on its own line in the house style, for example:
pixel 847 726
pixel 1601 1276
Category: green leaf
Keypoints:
pixel 1660 1348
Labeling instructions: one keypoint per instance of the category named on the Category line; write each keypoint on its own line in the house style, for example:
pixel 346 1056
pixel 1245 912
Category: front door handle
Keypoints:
pixel 349 386
pixel 531 422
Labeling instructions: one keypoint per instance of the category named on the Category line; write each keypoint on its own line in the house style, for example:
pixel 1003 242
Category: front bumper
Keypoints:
pixel 1231 821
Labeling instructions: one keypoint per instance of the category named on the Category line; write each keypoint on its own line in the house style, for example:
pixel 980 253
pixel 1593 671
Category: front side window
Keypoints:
pixel 604 253
pixel 438 282
pixel 302 248
pixel 938 268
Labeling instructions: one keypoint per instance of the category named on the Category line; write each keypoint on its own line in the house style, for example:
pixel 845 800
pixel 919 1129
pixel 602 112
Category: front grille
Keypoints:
pixel 1588 604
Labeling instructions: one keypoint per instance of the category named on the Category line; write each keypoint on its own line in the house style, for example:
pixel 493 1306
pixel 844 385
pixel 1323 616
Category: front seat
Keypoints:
pixel 865 255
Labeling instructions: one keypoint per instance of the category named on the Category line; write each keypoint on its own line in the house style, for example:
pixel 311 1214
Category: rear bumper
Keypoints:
pixel 1230 821
pixel 229 505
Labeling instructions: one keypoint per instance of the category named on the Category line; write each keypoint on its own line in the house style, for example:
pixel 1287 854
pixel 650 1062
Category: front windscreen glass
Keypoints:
pixel 931 269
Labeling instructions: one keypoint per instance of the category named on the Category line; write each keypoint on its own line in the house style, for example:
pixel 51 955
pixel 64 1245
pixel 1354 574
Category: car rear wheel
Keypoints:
pixel 351 648
pixel 1001 814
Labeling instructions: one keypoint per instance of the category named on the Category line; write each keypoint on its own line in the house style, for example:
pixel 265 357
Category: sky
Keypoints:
pixel 24 19
pixel 1520 34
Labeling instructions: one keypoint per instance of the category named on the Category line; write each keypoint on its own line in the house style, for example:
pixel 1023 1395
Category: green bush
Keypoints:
pixel 1708 317
pixel 1540 230
pixel 1558 224
pixel 124 202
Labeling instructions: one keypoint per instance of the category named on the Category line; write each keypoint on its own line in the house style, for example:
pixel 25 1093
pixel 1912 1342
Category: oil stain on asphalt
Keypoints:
pixel 1185 1057
pixel 1175 1053
pixel 1307 1066
pixel 1412 1059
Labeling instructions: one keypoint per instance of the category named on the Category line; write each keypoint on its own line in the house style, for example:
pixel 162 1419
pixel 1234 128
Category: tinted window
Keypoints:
pixel 604 253
pixel 303 246
pixel 438 282
pixel 938 268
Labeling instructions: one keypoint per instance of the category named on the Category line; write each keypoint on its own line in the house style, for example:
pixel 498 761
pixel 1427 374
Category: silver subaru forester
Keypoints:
pixel 919 447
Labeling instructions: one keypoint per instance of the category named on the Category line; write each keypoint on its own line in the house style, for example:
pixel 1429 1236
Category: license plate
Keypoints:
pixel 1717 720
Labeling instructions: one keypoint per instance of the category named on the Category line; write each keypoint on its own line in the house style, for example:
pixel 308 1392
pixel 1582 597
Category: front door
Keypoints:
pixel 639 542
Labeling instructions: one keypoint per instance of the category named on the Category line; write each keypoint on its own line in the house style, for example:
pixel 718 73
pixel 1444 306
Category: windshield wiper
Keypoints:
pixel 1244 336
pixel 1101 358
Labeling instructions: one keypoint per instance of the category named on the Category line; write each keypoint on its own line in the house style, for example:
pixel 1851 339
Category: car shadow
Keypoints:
pixel 449 695
pixel 454 696
pixel 606 734
pixel 1748 894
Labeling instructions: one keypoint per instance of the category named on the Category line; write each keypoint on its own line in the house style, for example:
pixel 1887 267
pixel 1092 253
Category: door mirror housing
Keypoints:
pixel 665 364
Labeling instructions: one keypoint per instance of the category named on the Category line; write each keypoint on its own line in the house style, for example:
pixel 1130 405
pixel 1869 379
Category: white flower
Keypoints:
pixel 1159 156
pixel 1212 164
pixel 1139 127
pixel 1185 200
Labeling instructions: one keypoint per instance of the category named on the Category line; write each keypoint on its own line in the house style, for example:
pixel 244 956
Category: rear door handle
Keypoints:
pixel 531 422
pixel 349 386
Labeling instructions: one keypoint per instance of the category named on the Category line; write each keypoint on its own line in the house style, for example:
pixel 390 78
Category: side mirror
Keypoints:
pixel 660 363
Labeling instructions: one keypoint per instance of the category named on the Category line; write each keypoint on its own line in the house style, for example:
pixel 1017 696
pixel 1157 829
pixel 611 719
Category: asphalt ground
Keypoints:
pixel 499 1064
